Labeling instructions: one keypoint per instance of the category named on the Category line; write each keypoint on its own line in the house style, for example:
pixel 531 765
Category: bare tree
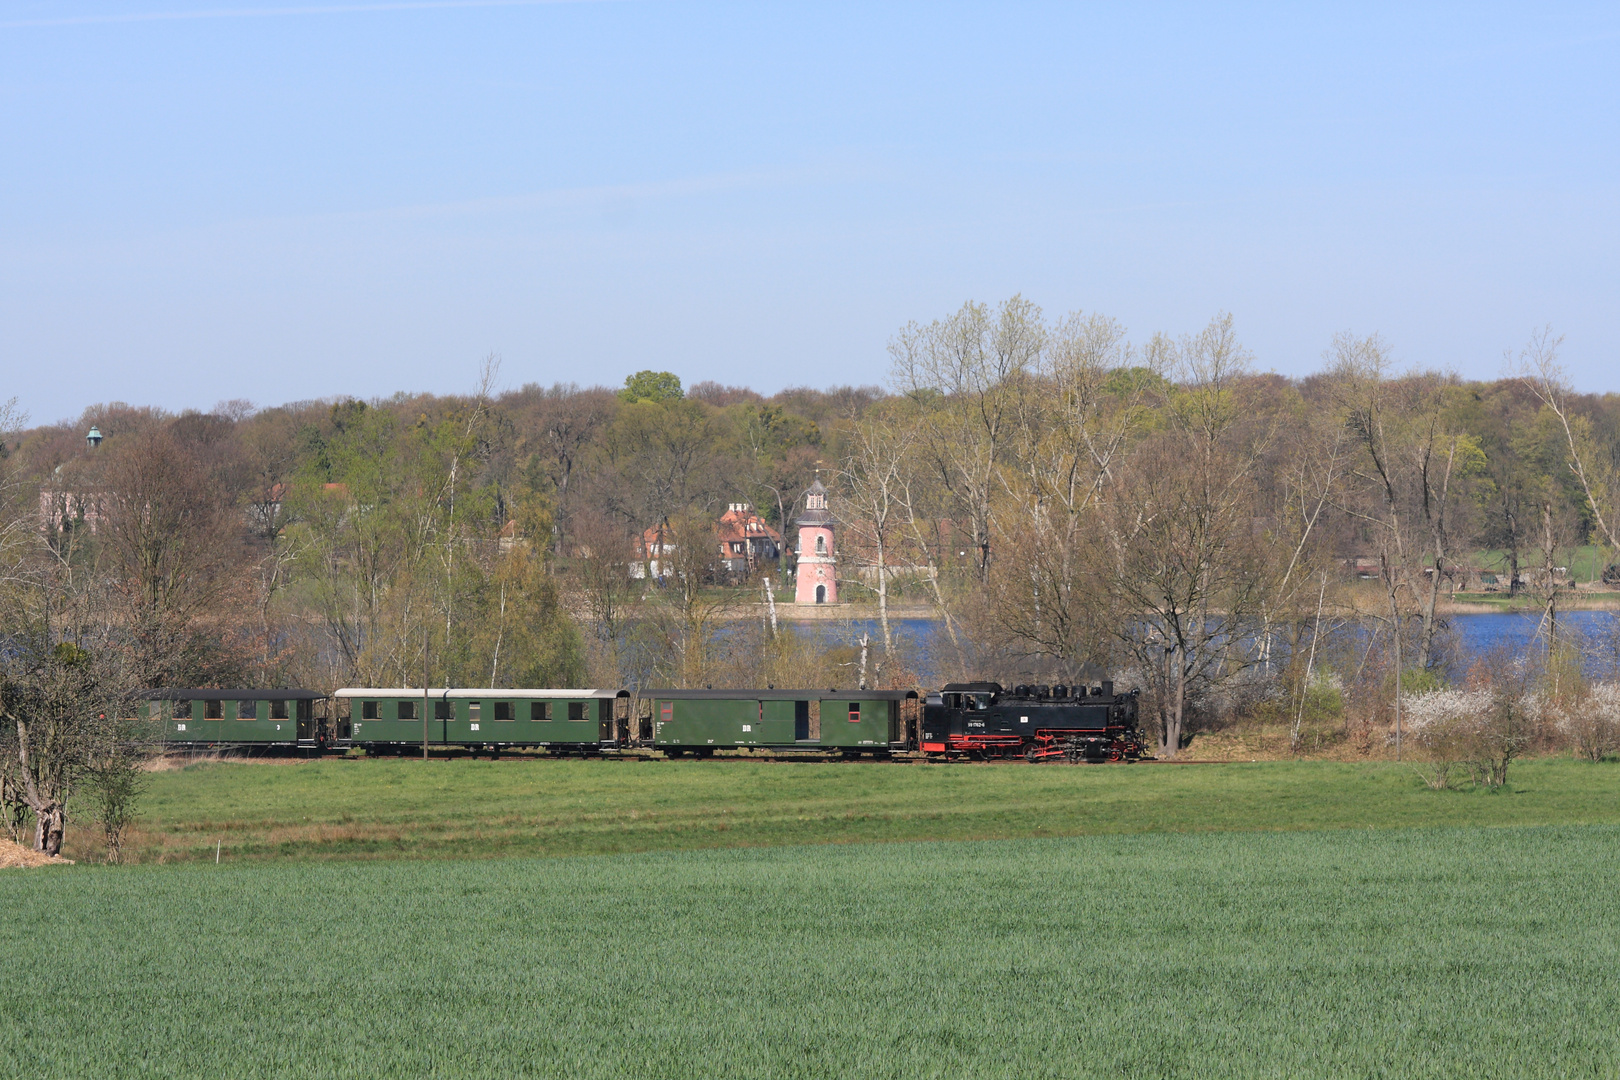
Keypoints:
pixel 1186 573
pixel 569 421
pixel 1413 463
pixel 1599 479
pixel 965 376
pixel 1071 434
pixel 604 592
pixel 686 613
pixel 65 682
pixel 872 476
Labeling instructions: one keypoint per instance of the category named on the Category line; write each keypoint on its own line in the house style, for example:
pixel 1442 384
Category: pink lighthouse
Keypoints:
pixel 816 583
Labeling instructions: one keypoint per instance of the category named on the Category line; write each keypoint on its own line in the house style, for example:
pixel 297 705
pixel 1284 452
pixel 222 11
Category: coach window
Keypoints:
pixel 368 710
pixel 407 710
pixel 213 709
pixel 475 710
pixel 854 712
pixel 576 711
pixel 306 709
pixel 503 710
pixel 443 710
pixel 539 711
pixel 247 710
pixel 182 710
pixel 278 710
pixel 666 711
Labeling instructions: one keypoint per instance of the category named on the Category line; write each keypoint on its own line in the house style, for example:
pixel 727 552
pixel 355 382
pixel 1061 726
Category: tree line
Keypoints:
pixel 1064 499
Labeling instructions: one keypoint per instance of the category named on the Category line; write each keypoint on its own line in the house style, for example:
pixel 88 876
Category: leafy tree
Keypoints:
pixel 653 386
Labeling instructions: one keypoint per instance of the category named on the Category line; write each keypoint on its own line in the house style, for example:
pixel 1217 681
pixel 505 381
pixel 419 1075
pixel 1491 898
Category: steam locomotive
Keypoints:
pixel 981 720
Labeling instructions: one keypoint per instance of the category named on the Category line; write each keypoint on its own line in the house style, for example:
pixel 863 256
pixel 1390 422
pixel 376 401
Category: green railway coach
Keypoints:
pixel 559 720
pixel 843 721
pixel 203 717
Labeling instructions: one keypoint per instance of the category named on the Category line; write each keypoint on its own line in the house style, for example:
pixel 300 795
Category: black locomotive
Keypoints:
pixel 980 720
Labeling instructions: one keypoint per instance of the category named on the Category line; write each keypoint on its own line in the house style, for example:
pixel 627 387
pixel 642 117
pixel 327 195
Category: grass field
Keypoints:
pixel 1410 953
pixel 404 808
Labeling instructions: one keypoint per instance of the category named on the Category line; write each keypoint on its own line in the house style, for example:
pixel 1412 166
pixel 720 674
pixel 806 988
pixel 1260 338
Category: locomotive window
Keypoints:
pixel 854 712
pixel 407 710
pixel 213 710
pixel 539 711
pixel 278 710
pixel 368 710
pixel 444 710
pixel 978 702
pixel 503 710
pixel 576 711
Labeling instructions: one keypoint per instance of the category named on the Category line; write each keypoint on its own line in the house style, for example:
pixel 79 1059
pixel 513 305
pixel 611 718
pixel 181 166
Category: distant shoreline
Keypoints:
pixel 1532 607
pixel 817 613
pixel 835 612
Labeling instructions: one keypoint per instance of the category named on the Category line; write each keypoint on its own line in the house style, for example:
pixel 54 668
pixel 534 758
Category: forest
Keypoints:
pixel 1062 499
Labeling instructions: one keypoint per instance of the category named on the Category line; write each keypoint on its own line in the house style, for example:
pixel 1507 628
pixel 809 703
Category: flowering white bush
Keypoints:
pixel 1443 725
pixel 1592 723
pixel 1429 715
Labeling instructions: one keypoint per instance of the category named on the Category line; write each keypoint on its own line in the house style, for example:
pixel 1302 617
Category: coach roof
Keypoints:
pixel 209 693
pixel 487 692
pixel 781 694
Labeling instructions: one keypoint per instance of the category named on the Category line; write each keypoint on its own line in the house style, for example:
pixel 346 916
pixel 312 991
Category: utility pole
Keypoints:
pixel 424 694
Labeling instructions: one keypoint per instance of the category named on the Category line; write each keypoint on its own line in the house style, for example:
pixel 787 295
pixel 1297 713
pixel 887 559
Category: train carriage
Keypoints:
pixel 558 720
pixel 211 717
pixel 845 721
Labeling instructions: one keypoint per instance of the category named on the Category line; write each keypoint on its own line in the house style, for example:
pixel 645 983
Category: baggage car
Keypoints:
pixel 846 722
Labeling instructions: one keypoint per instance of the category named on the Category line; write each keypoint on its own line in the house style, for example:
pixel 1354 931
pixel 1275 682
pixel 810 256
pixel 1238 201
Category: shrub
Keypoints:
pixel 1592 721
pixel 1443 726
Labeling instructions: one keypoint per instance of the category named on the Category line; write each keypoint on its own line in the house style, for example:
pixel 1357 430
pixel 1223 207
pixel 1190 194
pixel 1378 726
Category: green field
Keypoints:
pixel 1423 952
pixel 410 809
pixel 755 919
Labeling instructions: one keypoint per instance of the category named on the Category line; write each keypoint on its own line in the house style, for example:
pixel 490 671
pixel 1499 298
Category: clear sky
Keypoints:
pixel 201 201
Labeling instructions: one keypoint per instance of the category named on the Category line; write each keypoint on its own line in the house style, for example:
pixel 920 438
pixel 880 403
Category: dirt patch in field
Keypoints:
pixel 14 856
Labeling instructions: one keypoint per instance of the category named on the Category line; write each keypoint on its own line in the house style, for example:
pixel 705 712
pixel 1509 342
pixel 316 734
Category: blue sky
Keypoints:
pixel 276 202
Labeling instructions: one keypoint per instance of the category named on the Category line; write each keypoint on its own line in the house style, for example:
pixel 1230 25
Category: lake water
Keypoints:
pixel 925 640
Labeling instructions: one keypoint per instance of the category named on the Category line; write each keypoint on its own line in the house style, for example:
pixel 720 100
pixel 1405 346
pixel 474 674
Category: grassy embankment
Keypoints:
pixel 1412 953
pixel 391 808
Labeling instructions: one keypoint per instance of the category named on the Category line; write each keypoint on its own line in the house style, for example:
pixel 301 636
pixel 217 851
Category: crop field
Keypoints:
pixel 392 808
pixel 1412 952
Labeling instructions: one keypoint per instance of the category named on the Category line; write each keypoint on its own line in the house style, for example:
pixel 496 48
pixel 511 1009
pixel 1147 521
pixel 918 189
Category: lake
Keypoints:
pixel 925 640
